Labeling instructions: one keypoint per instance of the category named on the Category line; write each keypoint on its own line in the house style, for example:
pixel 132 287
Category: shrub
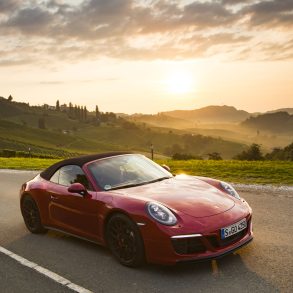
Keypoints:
pixel 215 156
pixel 252 154
pixel 178 156
pixel 8 153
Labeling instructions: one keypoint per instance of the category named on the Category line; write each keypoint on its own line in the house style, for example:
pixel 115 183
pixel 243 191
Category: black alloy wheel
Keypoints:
pixel 125 241
pixel 31 215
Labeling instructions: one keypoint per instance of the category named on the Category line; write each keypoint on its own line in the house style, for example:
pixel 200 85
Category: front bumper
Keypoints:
pixel 216 256
pixel 195 247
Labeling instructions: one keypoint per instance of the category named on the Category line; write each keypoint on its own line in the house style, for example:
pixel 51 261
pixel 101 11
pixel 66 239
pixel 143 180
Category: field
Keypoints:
pixel 261 172
pixel 26 163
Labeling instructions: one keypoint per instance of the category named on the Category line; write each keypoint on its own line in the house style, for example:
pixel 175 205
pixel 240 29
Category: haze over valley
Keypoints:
pixel 67 130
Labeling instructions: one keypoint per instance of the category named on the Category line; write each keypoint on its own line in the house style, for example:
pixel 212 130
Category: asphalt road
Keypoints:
pixel 265 265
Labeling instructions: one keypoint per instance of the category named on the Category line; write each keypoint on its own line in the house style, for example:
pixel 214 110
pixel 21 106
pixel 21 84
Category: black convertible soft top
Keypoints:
pixel 79 161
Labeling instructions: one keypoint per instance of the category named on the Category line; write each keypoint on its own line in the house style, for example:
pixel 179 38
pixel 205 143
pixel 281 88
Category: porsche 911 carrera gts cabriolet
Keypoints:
pixel 138 209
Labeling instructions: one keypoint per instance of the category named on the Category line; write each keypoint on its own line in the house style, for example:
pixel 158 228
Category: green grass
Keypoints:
pixel 26 163
pixel 261 172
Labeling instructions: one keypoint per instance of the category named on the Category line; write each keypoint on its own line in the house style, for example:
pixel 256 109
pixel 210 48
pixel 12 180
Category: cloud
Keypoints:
pixel 30 20
pixel 8 5
pixel 270 13
pixel 139 29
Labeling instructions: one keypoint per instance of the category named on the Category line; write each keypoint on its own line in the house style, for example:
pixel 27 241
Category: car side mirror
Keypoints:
pixel 77 188
pixel 166 168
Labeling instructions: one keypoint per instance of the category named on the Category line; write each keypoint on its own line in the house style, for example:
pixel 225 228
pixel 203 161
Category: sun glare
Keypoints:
pixel 180 82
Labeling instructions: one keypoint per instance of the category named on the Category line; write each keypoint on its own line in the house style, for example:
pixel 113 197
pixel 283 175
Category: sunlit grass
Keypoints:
pixel 26 163
pixel 262 172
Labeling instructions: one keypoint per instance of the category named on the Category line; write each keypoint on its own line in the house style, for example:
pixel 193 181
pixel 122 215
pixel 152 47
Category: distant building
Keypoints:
pixel 48 107
pixel 63 108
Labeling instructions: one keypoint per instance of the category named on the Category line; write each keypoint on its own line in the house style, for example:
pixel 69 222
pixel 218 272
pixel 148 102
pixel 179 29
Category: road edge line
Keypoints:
pixel 41 270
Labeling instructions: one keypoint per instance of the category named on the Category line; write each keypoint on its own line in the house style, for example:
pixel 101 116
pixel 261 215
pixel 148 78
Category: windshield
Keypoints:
pixel 126 171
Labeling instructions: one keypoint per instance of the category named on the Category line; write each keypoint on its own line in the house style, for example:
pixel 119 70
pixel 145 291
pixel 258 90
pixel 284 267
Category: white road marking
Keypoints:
pixel 53 276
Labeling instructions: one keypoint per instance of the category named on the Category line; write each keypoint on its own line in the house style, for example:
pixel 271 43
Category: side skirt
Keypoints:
pixel 74 235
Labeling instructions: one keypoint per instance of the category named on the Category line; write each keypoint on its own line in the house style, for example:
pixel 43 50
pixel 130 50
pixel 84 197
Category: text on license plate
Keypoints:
pixel 233 229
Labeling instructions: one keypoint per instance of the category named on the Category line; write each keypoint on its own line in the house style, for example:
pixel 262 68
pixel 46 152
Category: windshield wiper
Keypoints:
pixel 128 185
pixel 141 183
pixel 159 179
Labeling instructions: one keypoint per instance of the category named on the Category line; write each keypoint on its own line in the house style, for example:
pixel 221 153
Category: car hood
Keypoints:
pixel 184 194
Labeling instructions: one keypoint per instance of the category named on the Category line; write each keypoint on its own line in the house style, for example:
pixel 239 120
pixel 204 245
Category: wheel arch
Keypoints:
pixel 110 214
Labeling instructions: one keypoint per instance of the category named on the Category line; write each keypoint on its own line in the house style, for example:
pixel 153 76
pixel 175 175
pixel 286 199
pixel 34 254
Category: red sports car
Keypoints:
pixel 138 209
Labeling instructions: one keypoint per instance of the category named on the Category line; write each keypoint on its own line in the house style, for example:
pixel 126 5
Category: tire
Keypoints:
pixel 124 240
pixel 31 215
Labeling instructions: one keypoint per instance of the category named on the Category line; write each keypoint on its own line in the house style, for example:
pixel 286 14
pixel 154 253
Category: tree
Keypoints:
pixel 75 112
pixel 215 156
pixel 285 154
pixel 10 98
pixel 85 113
pixel 81 113
pixel 78 112
pixel 98 114
pixel 252 154
pixel 71 113
pixel 57 106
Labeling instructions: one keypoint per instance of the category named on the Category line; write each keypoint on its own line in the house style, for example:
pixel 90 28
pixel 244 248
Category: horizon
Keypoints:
pixel 142 113
pixel 141 56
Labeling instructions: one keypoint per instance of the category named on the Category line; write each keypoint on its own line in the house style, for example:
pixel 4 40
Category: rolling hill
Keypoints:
pixel 210 115
pixel 288 110
pixel 64 136
pixel 278 122
pixel 161 120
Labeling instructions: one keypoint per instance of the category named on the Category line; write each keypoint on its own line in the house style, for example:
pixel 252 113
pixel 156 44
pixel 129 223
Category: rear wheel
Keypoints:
pixel 124 240
pixel 31 215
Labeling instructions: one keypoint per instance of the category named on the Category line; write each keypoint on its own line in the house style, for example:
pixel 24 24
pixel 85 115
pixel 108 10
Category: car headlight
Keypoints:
pixel 229 189
pixel 161 214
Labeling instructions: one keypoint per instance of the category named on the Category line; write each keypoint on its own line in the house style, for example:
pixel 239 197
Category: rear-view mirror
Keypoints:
pixel 77 188
pixel 166 168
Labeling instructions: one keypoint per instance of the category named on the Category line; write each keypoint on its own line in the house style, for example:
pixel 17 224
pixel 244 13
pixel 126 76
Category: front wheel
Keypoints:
pixel 31 215
pixel 124 240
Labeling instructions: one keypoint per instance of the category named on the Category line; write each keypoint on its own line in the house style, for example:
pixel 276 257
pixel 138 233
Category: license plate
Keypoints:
pixel 233 229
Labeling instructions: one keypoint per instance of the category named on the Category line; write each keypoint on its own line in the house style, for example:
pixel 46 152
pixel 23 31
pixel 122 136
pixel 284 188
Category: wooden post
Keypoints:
pixel 152 151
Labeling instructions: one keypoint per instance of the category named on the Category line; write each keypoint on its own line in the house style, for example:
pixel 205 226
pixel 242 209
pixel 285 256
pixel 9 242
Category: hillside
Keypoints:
pixel 64 136
pixel 279 122
pixel 210 114
pixel 161 120
pixel 216 122
pixel 288 110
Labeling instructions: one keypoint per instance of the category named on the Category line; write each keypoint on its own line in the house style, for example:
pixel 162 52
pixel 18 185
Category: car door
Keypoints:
pixel 73 212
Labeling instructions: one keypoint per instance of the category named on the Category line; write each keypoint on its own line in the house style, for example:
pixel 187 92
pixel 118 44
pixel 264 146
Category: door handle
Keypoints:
pixel 54 197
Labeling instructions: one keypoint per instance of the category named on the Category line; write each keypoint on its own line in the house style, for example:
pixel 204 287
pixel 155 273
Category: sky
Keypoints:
pixel 148 56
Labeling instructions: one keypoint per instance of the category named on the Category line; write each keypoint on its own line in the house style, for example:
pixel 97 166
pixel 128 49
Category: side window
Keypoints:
pixel 55 177
pixel 71 174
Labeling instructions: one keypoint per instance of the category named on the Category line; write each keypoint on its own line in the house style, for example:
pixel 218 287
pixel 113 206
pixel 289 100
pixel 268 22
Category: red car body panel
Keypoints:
pixel 201 207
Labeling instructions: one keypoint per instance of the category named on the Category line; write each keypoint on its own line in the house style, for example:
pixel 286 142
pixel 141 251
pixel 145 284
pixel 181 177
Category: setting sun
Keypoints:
pixel 180 82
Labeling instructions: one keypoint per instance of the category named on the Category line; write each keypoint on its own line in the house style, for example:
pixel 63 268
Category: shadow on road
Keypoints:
pixel 93 267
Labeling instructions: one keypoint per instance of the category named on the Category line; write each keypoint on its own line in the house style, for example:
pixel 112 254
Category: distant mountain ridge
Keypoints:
pixel 277 122
pixel 211 114
pixel 288 110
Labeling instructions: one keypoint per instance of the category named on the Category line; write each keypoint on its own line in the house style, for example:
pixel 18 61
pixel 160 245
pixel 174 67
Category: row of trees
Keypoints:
pixel 73 112
pixel 81 113
pixel 254 153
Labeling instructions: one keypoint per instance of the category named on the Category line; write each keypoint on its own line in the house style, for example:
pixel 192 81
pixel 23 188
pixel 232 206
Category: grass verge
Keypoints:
pixel 26 163
pixel 258 172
